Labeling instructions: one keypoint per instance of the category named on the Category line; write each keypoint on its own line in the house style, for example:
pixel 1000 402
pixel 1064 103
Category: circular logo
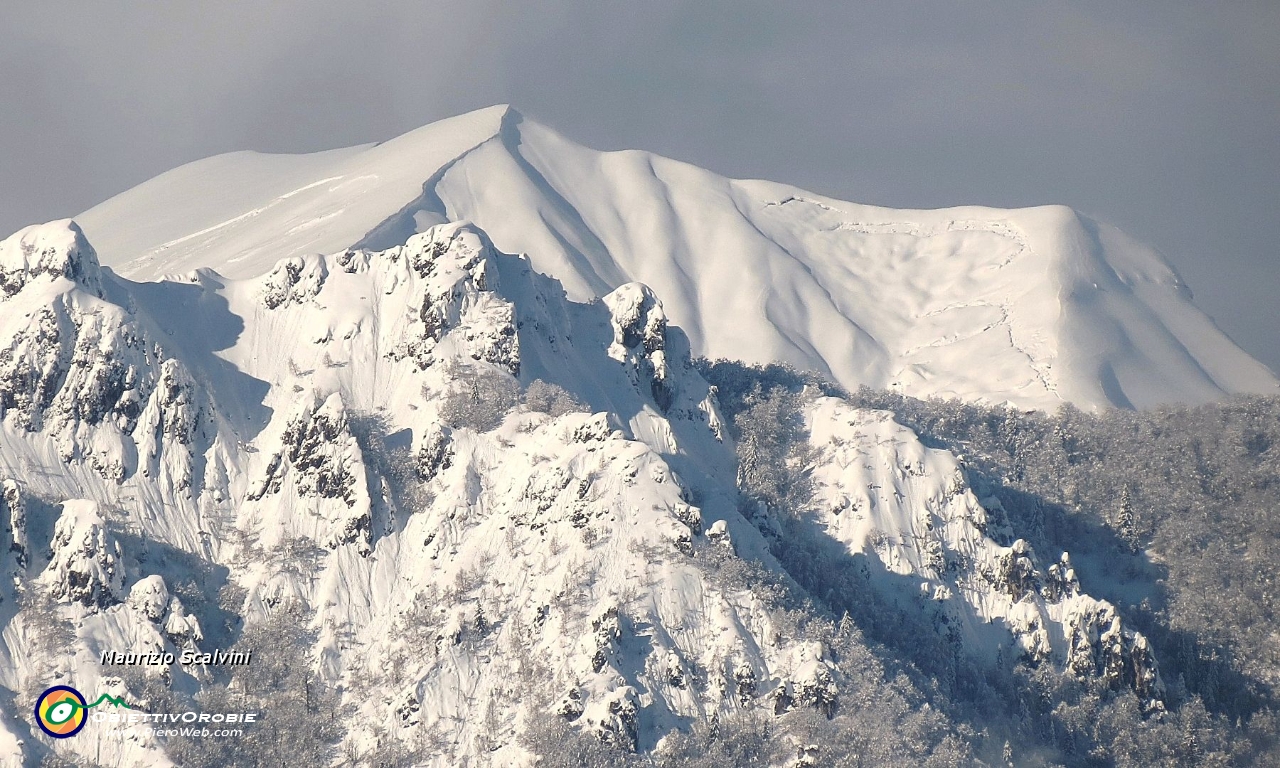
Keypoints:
pixel 60 711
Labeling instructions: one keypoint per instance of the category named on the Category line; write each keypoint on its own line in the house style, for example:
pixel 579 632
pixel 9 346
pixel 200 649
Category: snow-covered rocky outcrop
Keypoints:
pixel 640 338
pixel 345 430
pixel 45 253
pixel 317 478
pixel 86 565
pixel 87 371
pixel 885 494
pixel 13 522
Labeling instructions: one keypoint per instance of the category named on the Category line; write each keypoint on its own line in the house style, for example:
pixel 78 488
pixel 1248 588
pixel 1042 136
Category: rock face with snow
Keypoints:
pixel 13 516
pixel 456 563
pixel 320 470
pixel 86 565
pixel 272 458
pixel 885 494
pixel 640 338
pixel 46 253
pixel 150 598
pixel 345 429
pixel 83 369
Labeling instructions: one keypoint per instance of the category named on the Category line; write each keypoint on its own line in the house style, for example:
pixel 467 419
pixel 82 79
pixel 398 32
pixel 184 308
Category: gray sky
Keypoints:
pixel 1164 121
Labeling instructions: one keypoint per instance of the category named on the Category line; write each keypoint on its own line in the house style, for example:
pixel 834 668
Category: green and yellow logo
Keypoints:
pixel 61 711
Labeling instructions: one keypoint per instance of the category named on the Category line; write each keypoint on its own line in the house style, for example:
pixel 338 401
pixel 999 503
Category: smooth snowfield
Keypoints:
pixel 1035 306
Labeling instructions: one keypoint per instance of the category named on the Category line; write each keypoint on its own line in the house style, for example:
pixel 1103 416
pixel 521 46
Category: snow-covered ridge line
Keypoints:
pixel 750 270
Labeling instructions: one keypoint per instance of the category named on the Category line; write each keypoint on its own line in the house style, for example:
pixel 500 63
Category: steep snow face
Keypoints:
pixel 908 509
pixel 1035 307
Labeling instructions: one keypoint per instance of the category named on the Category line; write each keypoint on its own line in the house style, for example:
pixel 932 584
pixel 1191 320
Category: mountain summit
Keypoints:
pixel 419 429
pixel 1034 307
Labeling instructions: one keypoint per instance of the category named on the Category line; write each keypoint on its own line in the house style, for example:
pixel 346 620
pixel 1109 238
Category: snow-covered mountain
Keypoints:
pixel 1035 306
pixel 345 430
pixel 440 392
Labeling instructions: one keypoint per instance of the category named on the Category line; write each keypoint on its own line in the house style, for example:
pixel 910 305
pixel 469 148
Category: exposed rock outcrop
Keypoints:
pixel 48 252
pixel 457 278
pixel 86 564
pixel 319 459
pixel 640 339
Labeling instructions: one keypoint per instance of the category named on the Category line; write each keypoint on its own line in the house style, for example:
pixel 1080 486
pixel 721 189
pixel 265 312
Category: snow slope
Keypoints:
pixel 296 434
pixel 880 491
pixel 1035 306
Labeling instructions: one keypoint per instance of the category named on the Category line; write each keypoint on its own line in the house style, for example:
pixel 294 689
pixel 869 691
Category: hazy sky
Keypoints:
pixel 1164 121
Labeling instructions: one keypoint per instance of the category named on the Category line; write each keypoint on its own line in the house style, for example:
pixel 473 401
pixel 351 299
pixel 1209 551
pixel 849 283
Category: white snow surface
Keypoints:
pixel 908 508
pixel 264 426
pixel 281 413
pixel 1033 307
pixel 289 430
